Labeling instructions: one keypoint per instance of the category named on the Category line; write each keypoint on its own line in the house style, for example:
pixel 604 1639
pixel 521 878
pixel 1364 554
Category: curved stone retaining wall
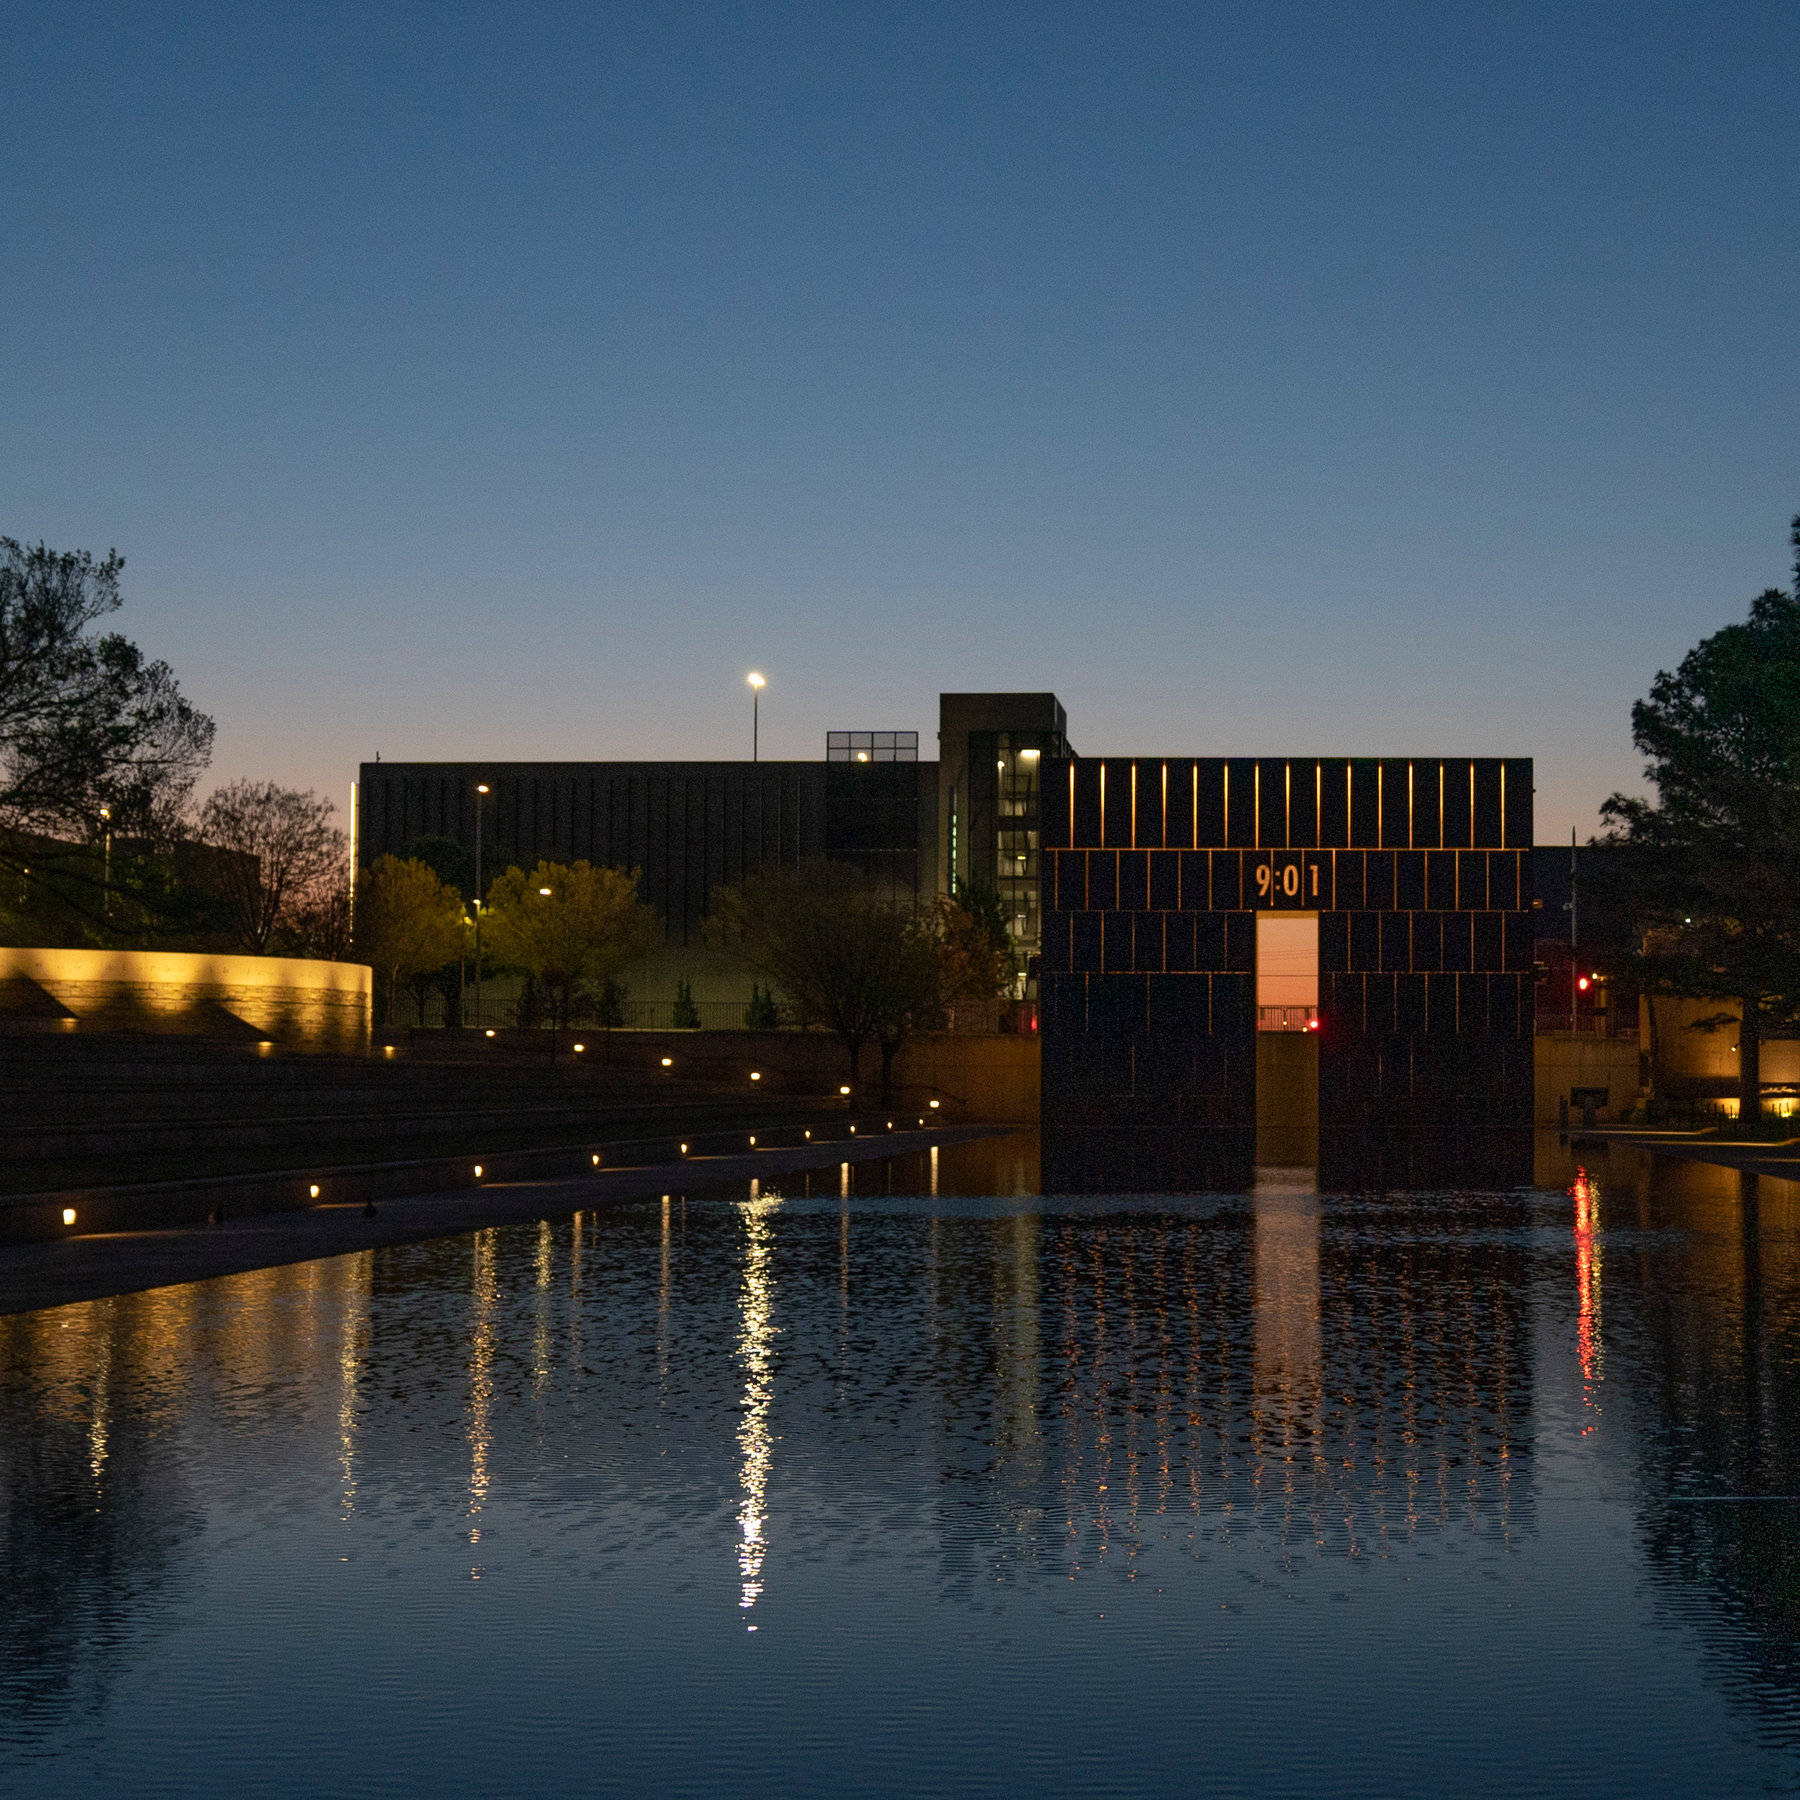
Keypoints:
pixel 282 1001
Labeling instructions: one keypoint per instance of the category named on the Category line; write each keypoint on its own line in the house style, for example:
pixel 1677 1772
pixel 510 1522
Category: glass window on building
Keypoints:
pixel 872 746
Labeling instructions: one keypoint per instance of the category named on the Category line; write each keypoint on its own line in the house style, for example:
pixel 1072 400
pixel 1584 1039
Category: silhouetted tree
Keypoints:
pixel 285 854
pixel 853 957
pixel 1711 866
pixel 91 734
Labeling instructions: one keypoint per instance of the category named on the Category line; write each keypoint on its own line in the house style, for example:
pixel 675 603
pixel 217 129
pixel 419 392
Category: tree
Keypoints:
pixel 852 957
pixel 284 854
pixel 408 923
pixel 319 924
pixel 89 730
pixel 1711 866
pixel 571 927
pixel 976 951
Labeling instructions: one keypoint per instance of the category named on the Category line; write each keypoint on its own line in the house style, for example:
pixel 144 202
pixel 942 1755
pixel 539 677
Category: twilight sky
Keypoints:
pixel 1289 377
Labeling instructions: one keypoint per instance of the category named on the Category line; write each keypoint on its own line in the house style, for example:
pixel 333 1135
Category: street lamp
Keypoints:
pixel 106 875
pixel 757 684
pixel 481 789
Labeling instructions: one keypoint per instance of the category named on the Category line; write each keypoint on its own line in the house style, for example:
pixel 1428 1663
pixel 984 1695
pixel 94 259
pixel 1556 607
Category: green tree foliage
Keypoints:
pixel 981 901
pixel 408 923
pixel 977 954
pixel 1711 865
pixel 849 956
pixel 574 939
pixel 89 730
pixel 282 856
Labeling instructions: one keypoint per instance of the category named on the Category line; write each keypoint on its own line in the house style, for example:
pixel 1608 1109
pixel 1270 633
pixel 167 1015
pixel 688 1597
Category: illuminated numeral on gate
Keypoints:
pixel 1286 883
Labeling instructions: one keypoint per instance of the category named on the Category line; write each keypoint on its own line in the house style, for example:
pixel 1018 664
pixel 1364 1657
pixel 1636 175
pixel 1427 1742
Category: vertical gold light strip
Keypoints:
pixel 1225 837
pixel 1165 805
pixel 1071 836
pixel 1380 806
pixel 1410 834
pixel 1503 806
pixel 1319 803
pixel 1134 806
pixel 1256 804
pixel 1287 805
pixel 1440 806
pixel 1348 834
pixel 1471 803
pixel 1102 838
pixel 1196 803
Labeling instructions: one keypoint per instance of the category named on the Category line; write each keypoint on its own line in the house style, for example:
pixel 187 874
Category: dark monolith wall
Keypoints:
pixel 1154 870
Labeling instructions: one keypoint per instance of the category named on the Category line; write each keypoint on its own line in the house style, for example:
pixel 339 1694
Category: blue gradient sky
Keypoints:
pixel 507 380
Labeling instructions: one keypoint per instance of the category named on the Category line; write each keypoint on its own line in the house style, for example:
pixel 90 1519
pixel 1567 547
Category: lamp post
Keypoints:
pixel 106 866
pixel 481 789
pixel 757 684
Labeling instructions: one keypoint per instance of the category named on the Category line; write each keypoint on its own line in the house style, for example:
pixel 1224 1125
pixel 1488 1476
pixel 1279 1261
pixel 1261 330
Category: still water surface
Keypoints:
pixel 904 1481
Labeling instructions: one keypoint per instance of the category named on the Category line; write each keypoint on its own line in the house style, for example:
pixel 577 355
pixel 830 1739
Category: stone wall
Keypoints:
pixel 285 1002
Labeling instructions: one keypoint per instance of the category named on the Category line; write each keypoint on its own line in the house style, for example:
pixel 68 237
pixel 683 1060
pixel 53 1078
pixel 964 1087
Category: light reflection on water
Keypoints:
pixel 901 1480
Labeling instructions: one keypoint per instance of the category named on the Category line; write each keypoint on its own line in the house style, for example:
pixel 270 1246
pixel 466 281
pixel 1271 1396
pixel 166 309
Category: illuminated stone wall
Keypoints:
pixel 285 1001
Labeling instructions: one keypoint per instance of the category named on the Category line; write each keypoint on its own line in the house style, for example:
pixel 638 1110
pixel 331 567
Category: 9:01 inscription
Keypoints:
pixel 1290 882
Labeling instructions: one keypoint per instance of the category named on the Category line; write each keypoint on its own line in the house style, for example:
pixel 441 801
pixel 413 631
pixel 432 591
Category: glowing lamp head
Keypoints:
pixel 935 1104
pixel 544 891
pixel 1583 984
pixel 481 787
pixel 478 1171
pixel 755 680
pixel 844 1090
pixel 668 1062
pixel 313 1190
pixel 756 1074
pixel 490 1031
pixel 579 1048
pixel 68 1215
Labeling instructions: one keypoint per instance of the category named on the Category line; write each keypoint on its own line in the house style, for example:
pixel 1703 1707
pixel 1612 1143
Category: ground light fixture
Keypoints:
pixel 490 1031
pixel 313 1191
pixel 844 1090
pixel 545 892
pixel 68 1215
pixel 596 1161
pixel 753 1143
pixel 478 1171
pixel 684 1149
pixel 933 1104
pixel 756 1074
pixel 668 1062
pixel 579 1048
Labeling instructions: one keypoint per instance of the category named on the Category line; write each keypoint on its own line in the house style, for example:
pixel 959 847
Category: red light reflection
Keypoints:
pixel 1586 1196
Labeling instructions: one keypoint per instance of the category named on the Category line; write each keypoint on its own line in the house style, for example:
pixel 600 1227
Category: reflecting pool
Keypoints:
pixel 903 1480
